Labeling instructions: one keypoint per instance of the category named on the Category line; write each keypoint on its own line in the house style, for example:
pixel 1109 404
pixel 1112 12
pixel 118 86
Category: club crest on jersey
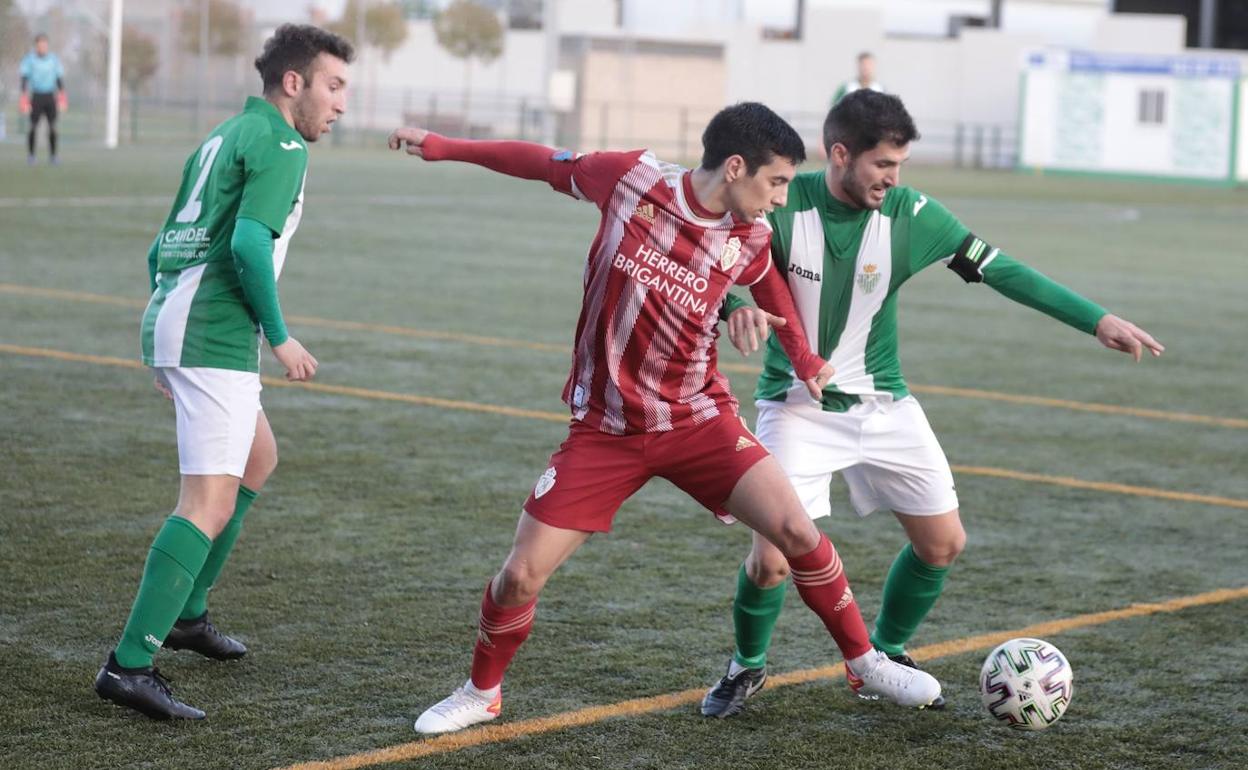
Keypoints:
pixel 868 279
pixel 544 483
pixel 730 254
pixel 644 211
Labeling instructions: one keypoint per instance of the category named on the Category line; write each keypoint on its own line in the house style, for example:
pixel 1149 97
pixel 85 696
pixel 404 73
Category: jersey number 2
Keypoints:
pixel 207 154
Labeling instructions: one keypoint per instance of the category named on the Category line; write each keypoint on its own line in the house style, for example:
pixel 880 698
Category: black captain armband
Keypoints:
pixel 971 258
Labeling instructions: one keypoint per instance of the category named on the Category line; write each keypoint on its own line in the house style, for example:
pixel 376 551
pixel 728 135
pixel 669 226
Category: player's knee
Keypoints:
pixel 767 571
pixel 941 551
pixel 517 584
pixel 797 536
pixel 210 517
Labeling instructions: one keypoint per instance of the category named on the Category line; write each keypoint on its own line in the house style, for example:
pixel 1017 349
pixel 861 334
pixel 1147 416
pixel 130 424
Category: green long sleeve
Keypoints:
pixel 1032 288
pixel 731 304
pixel 152 253
pixel 252 246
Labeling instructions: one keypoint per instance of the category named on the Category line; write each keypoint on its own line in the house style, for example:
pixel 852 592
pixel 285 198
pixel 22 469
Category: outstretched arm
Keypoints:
pixel 591 177
pixel 1036 290
pixel 938 235
pixel 526 160
pixel 772 295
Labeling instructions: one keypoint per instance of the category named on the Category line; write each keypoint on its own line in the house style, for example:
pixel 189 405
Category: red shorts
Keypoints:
pixel 593 473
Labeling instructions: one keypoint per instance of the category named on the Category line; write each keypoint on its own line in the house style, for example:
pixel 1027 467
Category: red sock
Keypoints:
pixel 821 582
pixel 501 632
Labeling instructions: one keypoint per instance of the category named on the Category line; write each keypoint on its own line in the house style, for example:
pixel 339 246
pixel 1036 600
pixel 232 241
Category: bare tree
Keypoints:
pixel 14 41
pixel 468 30
pixel 385 25
pixel 140 60
pixel 225 27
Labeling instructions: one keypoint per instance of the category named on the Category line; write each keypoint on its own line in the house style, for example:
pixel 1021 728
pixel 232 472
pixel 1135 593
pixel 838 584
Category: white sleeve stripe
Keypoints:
pixel 988 260
pixel 576 190
pixel 763 274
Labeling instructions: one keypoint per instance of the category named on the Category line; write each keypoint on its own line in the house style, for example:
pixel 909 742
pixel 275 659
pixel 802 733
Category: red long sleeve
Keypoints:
pixel 526 160
pixel 772 294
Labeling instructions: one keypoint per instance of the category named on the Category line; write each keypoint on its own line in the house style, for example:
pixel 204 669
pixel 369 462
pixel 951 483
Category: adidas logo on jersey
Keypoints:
pixel 645 211
pixel 744 443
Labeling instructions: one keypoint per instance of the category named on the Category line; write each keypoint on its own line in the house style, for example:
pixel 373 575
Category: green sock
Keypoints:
pixel 910 591
pixel 176 556
pixel 197 602
pixel 754 614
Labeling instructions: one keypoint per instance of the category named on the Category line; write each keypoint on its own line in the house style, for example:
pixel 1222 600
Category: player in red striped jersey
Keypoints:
pixel 646 396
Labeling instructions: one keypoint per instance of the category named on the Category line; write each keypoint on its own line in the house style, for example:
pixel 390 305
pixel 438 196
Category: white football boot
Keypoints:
pixel 465 707
pixel 879 677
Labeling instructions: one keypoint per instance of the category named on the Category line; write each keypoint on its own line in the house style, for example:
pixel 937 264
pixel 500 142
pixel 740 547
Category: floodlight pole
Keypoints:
pixel 114 76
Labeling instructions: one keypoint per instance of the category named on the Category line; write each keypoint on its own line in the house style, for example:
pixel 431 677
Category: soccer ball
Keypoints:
pixel 1026 683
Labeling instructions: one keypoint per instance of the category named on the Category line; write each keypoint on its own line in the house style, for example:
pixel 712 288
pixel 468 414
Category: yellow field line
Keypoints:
pixel 1080 406
pixel 1100 486
pixel 323 323
pixel 491 734
pixel 536 414
pixel 429 334
pixel 727 366
pixel 338 390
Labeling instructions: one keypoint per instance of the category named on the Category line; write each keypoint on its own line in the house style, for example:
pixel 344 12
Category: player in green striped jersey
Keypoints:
pixel 213 270
pixel 848 238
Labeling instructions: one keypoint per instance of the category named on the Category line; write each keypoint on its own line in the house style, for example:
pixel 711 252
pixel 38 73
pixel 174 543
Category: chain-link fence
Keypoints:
pixel 188 94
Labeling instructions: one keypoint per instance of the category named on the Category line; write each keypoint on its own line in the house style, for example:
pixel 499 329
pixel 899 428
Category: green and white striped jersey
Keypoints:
pixel 846 265
pixel 252 165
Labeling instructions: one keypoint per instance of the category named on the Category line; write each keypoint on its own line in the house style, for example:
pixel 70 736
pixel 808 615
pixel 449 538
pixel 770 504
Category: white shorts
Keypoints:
pixel 216 413
pixel 885 449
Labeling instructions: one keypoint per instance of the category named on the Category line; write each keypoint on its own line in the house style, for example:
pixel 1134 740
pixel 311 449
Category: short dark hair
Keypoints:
pixel 41 36
pixel 864 118
pixel 754 132
pixel 865 55
pixel 295 47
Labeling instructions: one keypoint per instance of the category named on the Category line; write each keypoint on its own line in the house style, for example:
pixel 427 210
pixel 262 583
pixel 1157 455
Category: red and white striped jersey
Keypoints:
pixel 657 273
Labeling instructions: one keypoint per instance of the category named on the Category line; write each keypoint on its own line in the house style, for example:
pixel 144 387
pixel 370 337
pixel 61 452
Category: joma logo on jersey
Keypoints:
pixel 808 274
pixel 645 211
pixel 731 253
pixel 868 279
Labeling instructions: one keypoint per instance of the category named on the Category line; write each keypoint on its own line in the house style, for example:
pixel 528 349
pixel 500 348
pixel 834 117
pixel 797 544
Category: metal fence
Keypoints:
pixel 672 131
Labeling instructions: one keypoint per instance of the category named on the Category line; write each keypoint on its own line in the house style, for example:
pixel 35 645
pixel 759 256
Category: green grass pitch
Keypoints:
pixel 357 578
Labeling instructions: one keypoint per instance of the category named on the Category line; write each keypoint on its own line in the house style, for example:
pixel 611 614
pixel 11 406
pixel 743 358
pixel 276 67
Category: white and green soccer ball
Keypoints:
pixel 1026 683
